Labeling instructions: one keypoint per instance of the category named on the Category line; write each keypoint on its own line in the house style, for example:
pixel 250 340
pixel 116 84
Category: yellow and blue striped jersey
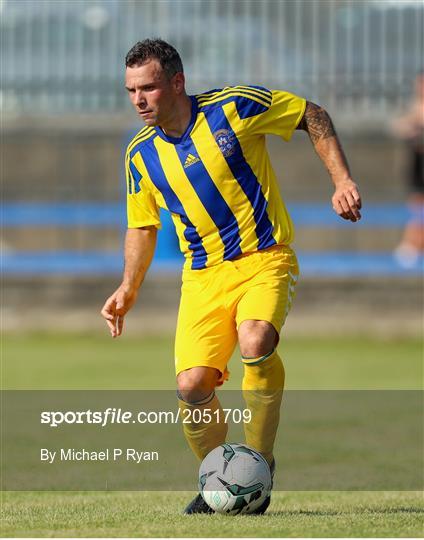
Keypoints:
pixel 216 179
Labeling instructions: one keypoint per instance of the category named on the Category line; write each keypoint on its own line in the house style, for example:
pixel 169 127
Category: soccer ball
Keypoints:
pixel 234 479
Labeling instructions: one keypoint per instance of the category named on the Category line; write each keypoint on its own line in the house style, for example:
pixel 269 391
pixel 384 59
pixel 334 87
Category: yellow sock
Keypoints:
pixel 205 435
pixel 263 384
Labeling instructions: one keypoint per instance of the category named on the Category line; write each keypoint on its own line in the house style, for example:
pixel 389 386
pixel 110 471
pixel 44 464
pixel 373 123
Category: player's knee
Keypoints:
pixel 197 383
pixel 257 338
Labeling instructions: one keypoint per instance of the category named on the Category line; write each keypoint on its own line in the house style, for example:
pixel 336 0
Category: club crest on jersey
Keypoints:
pixel 226 141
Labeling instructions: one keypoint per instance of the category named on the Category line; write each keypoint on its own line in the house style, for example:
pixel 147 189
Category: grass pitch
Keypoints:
pixel 158 514
pixel 97 362
pixel 79 362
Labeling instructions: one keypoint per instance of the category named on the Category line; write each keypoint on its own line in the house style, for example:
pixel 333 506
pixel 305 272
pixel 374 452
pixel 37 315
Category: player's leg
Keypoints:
pixel 200 409
pixel 205 339
pixel 262 385
pixel 261 312
pixel 197 402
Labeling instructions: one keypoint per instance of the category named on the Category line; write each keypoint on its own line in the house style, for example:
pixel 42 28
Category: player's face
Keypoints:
pixel 152 93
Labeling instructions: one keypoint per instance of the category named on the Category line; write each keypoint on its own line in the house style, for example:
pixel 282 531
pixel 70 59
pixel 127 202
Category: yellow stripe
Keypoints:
pixel 143 130
pixel 143 135
pixel 246 91
pixel 146 136
pixel 139 134
pixel 186 193
pixel 234 93
pixel 227 185
pixel 142 169
pixel 134 143
pixel 259 92
pixel 128 174
pixel 208 95
pixel 253 91
pixel 264 93
pixel 267 96
pixel 179 229
pixel 255 153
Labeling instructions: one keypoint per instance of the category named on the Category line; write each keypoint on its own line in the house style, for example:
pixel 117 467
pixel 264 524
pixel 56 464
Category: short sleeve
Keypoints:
pixel 282 116
pixel 142 209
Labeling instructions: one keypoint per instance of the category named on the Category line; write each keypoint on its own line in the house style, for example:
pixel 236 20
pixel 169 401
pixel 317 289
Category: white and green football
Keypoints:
pixel 234 479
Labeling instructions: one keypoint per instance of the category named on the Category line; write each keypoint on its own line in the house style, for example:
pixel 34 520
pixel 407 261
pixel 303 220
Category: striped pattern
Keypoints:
pixel 192 240
pixel 132 175
pixel 216 179
pixel 215 204
pixel 254 93
pixel 142 135
pixel 255 360
pixel 245 177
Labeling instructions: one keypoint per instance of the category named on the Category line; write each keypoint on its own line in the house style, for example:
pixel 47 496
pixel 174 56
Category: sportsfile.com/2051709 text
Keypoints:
pixel 113 415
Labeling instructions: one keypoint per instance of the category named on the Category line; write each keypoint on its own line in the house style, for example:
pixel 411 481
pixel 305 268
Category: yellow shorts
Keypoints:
pixel 216 300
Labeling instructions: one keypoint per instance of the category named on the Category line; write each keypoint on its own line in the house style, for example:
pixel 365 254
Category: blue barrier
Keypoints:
pixel 110 263
pixel 96 214
pixel 63 214
pixel 168 257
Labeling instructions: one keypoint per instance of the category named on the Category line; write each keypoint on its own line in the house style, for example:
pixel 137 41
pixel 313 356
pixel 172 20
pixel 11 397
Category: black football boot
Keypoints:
pixel 198 506
pixel 263 508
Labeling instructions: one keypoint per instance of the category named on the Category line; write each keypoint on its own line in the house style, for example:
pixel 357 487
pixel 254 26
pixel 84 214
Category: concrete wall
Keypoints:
pixel 81 159
pixel 332 306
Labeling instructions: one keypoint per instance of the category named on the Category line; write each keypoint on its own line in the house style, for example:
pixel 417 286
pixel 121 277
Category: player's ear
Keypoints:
pixel 178 82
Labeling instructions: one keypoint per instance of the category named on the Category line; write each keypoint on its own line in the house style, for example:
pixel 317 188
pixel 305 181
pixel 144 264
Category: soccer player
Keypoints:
pixel 204 159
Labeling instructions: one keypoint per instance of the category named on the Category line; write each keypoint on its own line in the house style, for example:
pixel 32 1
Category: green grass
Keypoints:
pixel 97 362
pixel 158 514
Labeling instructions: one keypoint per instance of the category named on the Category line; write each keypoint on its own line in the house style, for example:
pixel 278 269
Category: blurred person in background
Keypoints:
pixel 204 158
pixel 410 128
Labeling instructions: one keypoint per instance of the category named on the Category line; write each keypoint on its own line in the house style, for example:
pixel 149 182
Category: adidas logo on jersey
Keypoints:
pixel 190 160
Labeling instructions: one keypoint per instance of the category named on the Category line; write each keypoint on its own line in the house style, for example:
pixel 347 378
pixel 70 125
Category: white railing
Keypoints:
pixel 357 57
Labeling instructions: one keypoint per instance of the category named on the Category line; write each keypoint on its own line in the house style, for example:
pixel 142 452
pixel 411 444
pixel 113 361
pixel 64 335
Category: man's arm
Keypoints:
pixel 317 123
pixel 139 249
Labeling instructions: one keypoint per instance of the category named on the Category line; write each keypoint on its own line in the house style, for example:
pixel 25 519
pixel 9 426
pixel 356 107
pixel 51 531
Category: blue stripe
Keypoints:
pixel 246 92
pixel 158 177
pixel 141 136
pixel 129 176
pixel 136 177
pixel 262 89
pixel 246 107
pixel 212 200
pixel 145 142
pixel 244 175
pixel 204 94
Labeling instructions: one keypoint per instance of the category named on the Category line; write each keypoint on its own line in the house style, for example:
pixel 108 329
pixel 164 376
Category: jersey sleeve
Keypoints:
pixel 281 117
pixel 142 208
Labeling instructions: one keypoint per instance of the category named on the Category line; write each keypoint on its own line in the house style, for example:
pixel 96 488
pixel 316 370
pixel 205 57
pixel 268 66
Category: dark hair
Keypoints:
pixel 145 50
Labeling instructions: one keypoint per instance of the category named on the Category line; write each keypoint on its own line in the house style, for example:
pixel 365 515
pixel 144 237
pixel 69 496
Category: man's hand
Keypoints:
pixel 347 200
pixel 139 248
pixel 317 123
pixel 116 307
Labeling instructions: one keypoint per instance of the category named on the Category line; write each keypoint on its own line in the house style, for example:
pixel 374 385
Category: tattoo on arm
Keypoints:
pixel 317 123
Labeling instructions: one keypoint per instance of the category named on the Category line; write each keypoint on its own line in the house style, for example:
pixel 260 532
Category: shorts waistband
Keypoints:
pixel 248 257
